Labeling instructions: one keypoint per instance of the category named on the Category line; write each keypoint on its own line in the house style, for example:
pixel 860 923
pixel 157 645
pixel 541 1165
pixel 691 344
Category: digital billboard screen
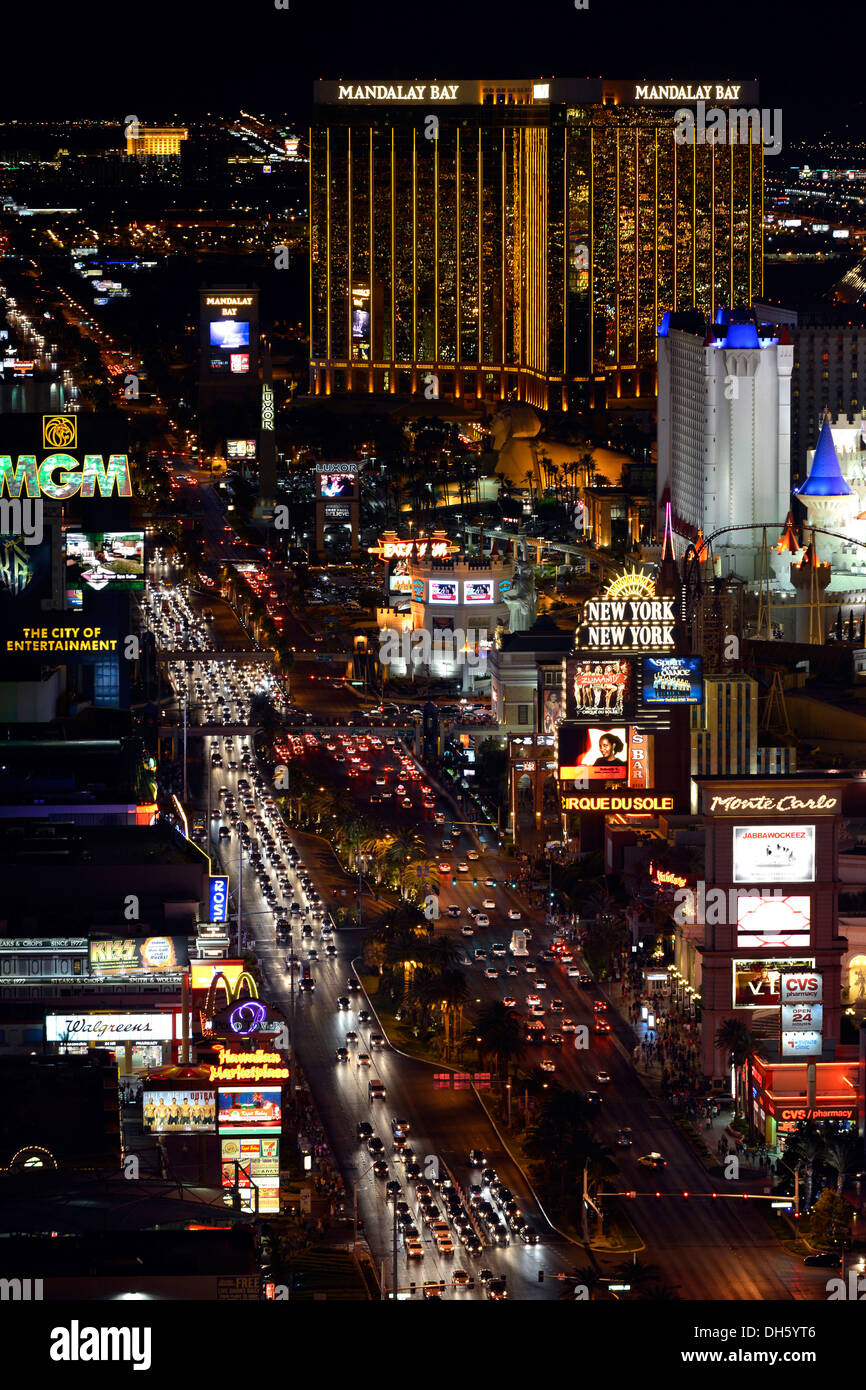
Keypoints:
pixel 774 854
pixel 770 923
pixel 245 1105
pixel 105 559
pixel 240 448
pixel 131 956
pixel 478 591
pixel 598 690
pixel 758 983
pixel 672 680
pixel 240 362
pixel 334 485
pixel 229 334
pixel 178 1111
pixel 444 591
pixel 25 570
pixel 551 708
pixel 593 754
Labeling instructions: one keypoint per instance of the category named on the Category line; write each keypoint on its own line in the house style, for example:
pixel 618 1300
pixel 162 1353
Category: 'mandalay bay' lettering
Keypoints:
pixel 397 92
pixel 88 478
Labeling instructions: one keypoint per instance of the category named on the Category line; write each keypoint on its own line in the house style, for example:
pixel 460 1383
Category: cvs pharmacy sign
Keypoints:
pixel 802 986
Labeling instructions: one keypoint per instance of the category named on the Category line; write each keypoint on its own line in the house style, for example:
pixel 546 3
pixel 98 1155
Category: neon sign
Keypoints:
pixel 665 877
pixel 247 1017
pixel 249 1066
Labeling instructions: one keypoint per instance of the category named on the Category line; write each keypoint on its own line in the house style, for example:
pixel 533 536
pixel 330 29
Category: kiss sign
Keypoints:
pixel 802 986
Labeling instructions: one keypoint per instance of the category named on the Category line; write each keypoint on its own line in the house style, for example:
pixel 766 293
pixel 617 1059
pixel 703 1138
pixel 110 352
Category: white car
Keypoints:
pixel 514 915
pixel 466 930
pixel 481 919
pixel 489 902
pixel 491 974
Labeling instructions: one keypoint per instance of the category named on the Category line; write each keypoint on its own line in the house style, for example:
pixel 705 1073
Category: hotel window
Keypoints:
pixel 523 714
pixel 106 683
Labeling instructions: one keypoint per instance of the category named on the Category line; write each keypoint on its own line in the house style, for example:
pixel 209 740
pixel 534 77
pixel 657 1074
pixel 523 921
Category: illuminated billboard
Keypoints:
pixel 202 972
pixel 672 680
pixel 598 690
pixel 757 984
pixel 239 362
pixel 248 1106
pixel 444 591
pixel 478 591
pixel 774 854
pixel 336 485
pixel 105 559
pixel 128 957
pixel 595 754
pixel 109 1028
pixel 769 922
pixel 551 708
pixel 218 897
pixel 240 448
pixel 178 1111
pixel 25 570
pixel 229 334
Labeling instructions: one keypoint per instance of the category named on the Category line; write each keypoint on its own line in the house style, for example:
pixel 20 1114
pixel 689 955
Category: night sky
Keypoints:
pixel 176 56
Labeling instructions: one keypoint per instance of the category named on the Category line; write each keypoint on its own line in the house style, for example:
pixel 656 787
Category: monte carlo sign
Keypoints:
pixel 629 616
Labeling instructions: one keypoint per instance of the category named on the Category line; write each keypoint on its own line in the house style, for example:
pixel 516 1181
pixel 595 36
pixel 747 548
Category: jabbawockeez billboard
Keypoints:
pixel 774 854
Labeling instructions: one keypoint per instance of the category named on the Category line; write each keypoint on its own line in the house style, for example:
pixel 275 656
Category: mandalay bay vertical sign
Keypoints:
pixel 628 616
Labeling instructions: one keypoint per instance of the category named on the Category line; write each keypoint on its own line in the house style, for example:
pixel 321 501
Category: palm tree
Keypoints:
pixel 498 1031
pixel 452 992
pixel 806 1145
pixel 842 1152
pixel 529 479
pixel 735 1039
pixel 589 1277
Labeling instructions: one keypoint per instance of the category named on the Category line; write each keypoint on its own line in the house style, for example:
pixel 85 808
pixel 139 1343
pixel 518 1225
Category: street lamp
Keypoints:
pixel 355 1202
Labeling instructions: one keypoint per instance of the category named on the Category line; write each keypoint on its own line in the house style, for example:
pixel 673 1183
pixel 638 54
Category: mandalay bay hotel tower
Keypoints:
pixel 520 240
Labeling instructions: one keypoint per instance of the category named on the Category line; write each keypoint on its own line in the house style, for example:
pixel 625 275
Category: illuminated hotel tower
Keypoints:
pixel 519 240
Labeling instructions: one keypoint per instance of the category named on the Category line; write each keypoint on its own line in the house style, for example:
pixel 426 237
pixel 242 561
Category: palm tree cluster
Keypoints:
pixel 566 1157
pixel 393 858
pixel 420 973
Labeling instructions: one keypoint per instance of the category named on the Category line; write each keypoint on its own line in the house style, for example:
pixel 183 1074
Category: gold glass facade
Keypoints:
pixel 527 252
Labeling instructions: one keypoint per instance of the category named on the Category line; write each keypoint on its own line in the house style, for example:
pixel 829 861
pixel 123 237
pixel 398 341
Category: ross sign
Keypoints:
pixel 774 854
pixel 218 899
pixel 801 1044
pixel 802 985
pixel 592 754
pixel 597 690
pixel 109 1028
pixel 767 922
pixel 178 1111
pixel 626 801
pixel 629 616
pixel 128 957
pixel 672 680
pixel 788 804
